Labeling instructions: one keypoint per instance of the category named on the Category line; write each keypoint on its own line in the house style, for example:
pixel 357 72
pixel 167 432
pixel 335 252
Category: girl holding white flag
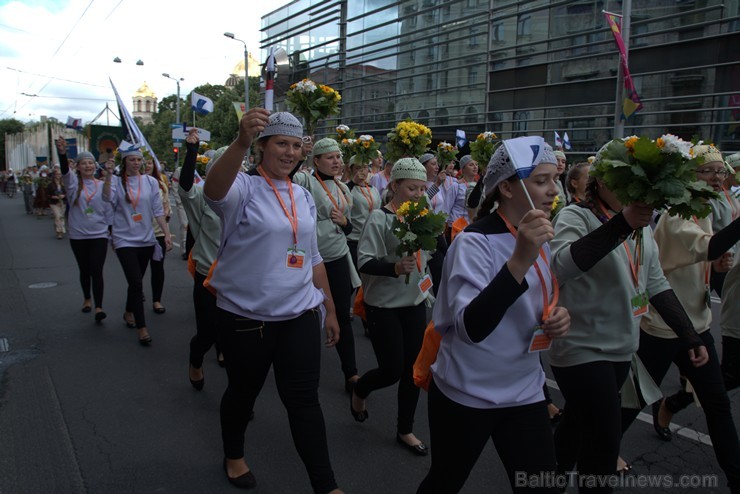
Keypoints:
pixel 496 309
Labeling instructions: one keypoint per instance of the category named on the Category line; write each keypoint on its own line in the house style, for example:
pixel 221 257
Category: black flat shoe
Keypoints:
pixel 145 341
pixel 359 416
pixel 129 324
pixel 159 310
pixel 198 385
pixel 99 316
pixel 664 433
pixel 86 308
pixel 418 449
pixel 243 481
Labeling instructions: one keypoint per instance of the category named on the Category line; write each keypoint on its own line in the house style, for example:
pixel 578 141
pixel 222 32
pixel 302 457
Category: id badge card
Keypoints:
pixel 137 217
pixel 295 258
pixel 89 211
pixel 639 304
pixel 540 341
pixel 425 284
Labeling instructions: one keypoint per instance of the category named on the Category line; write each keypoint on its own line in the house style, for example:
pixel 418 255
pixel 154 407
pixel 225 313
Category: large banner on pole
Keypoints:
pixel 632 101
pixel 104 141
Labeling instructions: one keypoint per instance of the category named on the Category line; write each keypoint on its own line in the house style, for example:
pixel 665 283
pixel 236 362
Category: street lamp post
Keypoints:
pixel 246 70
pixel 177 106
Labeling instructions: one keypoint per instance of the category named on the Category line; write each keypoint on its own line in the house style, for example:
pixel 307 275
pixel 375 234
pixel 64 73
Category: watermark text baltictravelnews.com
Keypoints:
pixel 570 479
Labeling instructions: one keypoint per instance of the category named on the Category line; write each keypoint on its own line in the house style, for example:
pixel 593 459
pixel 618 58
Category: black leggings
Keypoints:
pixel 590 431
pixel 396 335
pixel 657 354
pixel 134 261
pixel 206 323
pixel 90 255
pixel 158 273
pixel 293 349
pixel 522 436
pixel 340 285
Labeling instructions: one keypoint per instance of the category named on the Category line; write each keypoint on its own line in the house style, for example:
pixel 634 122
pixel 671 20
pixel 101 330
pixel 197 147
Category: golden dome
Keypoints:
pixel 144 91
pixel 254 67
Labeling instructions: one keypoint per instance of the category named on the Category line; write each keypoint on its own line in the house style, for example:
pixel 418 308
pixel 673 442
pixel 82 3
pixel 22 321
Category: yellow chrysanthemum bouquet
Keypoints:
pixel 417 227
pixel 312 102
pixel 446 154
pixel 483 147
pixel 364 148
pixel 408 139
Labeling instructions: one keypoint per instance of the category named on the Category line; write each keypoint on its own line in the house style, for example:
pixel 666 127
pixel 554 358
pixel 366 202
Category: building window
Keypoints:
pixel 472 75
pixel 430 82
pixel 497 31
pixel 424 117
pixel 443 79
pixel 148 107
pixel 471 115
pixel 524 26
pixel 472 3
pixel 473 40
pixel 443 116
pixel 411 84
pixel 521 121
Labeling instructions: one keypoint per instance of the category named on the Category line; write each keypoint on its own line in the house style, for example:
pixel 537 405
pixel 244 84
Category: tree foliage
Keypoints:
pixel 222 123
pixel 8 126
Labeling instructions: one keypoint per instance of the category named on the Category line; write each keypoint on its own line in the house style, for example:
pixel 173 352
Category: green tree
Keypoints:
pixel 8 126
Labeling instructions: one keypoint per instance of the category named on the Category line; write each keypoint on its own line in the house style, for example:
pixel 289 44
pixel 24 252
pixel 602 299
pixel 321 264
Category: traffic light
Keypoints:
pixel 177 154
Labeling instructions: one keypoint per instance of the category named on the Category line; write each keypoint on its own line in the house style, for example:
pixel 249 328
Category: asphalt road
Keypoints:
pixel 85 409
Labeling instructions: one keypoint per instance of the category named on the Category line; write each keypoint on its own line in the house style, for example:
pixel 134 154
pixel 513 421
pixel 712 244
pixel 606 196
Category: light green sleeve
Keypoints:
pixel 571 224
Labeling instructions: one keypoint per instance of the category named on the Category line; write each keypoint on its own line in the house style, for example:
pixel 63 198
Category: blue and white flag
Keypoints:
pixel 460 137
pixel 566 141
pixel 133 131
pixel 201 104
pixel 74 123
pixel 558 141
pixel 525 153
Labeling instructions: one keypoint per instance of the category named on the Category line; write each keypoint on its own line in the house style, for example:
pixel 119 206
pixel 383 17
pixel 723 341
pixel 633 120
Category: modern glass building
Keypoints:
pixel 517 67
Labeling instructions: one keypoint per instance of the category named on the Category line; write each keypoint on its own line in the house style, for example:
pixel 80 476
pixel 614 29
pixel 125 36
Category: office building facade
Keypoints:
pixel 516 67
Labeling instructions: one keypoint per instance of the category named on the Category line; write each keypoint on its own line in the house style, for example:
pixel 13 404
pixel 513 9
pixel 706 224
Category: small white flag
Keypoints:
pixel 558 141
pixel 566 141
pixel 525 153
pixel 74 123
pixel 201 104
pixel 461 138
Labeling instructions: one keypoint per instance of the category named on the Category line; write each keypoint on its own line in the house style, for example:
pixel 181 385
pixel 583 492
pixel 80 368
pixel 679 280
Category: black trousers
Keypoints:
pixel 340 285
pixel 522 436
pixel 293 349
pixel 657 354
pixel 134 261
pixel 158 273
pixel 90 255
pixel 396 336
pixel 591 429
pixel 206 321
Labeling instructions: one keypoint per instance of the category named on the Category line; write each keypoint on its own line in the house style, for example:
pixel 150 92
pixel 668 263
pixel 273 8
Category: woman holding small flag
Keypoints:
pixel 136 203
pixel 89 217
pixel 272 292
pixel 497 309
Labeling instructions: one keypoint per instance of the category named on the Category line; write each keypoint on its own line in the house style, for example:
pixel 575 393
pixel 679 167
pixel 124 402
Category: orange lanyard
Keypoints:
pixel 731 203
pixel 88 197
pixel 138 194
pixel 368 195
pixel 634 267
pixel 331 197
pixel 546 307
pixel 292 220
pixel 707 264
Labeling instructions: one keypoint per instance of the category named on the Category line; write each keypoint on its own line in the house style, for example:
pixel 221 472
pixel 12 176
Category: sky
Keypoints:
pixel 62 51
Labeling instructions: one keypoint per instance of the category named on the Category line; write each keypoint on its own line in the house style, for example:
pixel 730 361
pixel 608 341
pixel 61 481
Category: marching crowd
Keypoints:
pixel 281 252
